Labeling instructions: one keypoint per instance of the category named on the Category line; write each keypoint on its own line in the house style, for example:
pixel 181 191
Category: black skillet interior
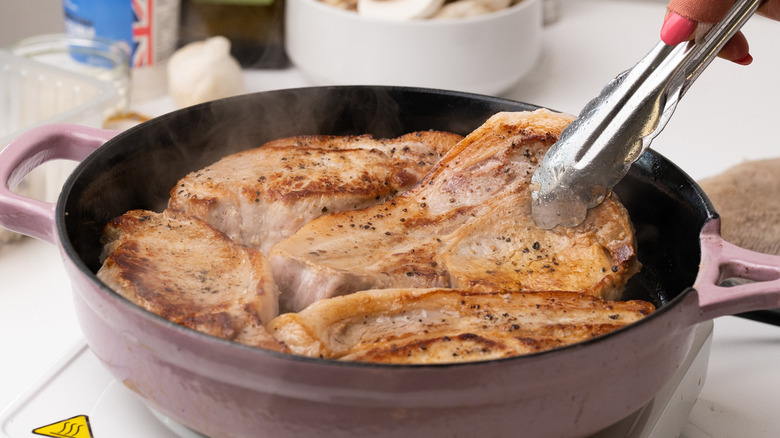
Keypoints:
pixel 138 168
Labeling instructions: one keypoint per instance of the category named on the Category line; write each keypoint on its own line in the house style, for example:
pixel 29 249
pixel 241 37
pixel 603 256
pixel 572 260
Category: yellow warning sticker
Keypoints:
pixel 75 427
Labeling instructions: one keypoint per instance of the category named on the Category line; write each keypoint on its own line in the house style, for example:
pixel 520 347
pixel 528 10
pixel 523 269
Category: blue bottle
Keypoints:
pixel 149 27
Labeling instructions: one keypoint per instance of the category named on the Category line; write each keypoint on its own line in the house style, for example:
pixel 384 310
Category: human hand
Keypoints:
pixel 686 17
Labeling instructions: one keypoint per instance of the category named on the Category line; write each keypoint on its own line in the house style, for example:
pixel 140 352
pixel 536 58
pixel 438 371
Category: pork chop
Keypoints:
pixel 425 326
pixel 260 196
pixel 186 271
pixel 467 225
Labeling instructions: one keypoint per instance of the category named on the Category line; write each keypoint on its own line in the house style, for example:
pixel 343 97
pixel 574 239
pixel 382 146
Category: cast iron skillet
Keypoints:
pixel 224 389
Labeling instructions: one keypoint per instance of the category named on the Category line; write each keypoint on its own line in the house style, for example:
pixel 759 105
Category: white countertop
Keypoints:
pixel 726 118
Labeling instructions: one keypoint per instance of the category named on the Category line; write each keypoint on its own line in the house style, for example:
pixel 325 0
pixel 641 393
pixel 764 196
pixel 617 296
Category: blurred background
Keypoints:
pixel 22 19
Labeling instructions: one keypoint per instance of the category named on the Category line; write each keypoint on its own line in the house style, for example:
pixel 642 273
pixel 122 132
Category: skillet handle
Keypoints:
pixel 26 152
pixel 722 260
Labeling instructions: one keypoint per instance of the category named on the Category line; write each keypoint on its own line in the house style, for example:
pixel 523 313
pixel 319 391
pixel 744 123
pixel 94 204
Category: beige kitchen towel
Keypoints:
pixel 747 196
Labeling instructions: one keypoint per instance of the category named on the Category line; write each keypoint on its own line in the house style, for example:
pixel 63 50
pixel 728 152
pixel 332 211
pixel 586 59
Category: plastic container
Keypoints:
pixel 41 82
pixel 88 58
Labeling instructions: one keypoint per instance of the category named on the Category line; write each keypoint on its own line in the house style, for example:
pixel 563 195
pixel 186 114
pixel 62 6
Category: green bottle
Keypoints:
pixel 255 28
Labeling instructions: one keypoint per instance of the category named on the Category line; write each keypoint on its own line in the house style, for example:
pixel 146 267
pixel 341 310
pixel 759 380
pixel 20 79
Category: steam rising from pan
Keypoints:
pixel 153 156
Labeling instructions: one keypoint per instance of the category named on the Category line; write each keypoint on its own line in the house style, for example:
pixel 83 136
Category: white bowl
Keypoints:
pixel 485 54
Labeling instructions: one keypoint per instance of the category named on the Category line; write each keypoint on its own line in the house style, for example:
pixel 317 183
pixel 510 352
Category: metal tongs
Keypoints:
pixel 613 130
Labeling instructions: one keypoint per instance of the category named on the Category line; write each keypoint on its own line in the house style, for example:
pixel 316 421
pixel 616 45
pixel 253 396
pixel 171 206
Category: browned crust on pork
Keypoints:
pixel 262 195
pixel 188 272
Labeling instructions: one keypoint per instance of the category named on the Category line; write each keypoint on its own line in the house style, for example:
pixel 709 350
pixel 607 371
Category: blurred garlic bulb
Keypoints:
pixel 204 71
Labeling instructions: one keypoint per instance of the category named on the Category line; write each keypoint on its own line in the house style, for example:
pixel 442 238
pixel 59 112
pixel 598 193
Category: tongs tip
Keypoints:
pixel 554 203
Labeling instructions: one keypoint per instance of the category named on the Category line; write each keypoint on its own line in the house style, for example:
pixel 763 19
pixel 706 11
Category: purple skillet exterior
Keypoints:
pixel 226 390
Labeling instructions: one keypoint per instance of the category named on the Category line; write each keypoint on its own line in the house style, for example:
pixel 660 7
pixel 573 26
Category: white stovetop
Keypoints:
pixel 730 115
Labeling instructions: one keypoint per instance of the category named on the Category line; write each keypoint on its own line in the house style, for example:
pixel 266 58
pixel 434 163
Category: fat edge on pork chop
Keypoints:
pixel 425 326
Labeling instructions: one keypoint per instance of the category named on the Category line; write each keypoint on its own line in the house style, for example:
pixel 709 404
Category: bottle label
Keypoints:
pixel 149 27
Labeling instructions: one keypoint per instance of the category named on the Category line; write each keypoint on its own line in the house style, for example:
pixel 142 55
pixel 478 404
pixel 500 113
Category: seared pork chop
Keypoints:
pixel 262 195
pixel 424 326
pixel 188 272
pixel 467 225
